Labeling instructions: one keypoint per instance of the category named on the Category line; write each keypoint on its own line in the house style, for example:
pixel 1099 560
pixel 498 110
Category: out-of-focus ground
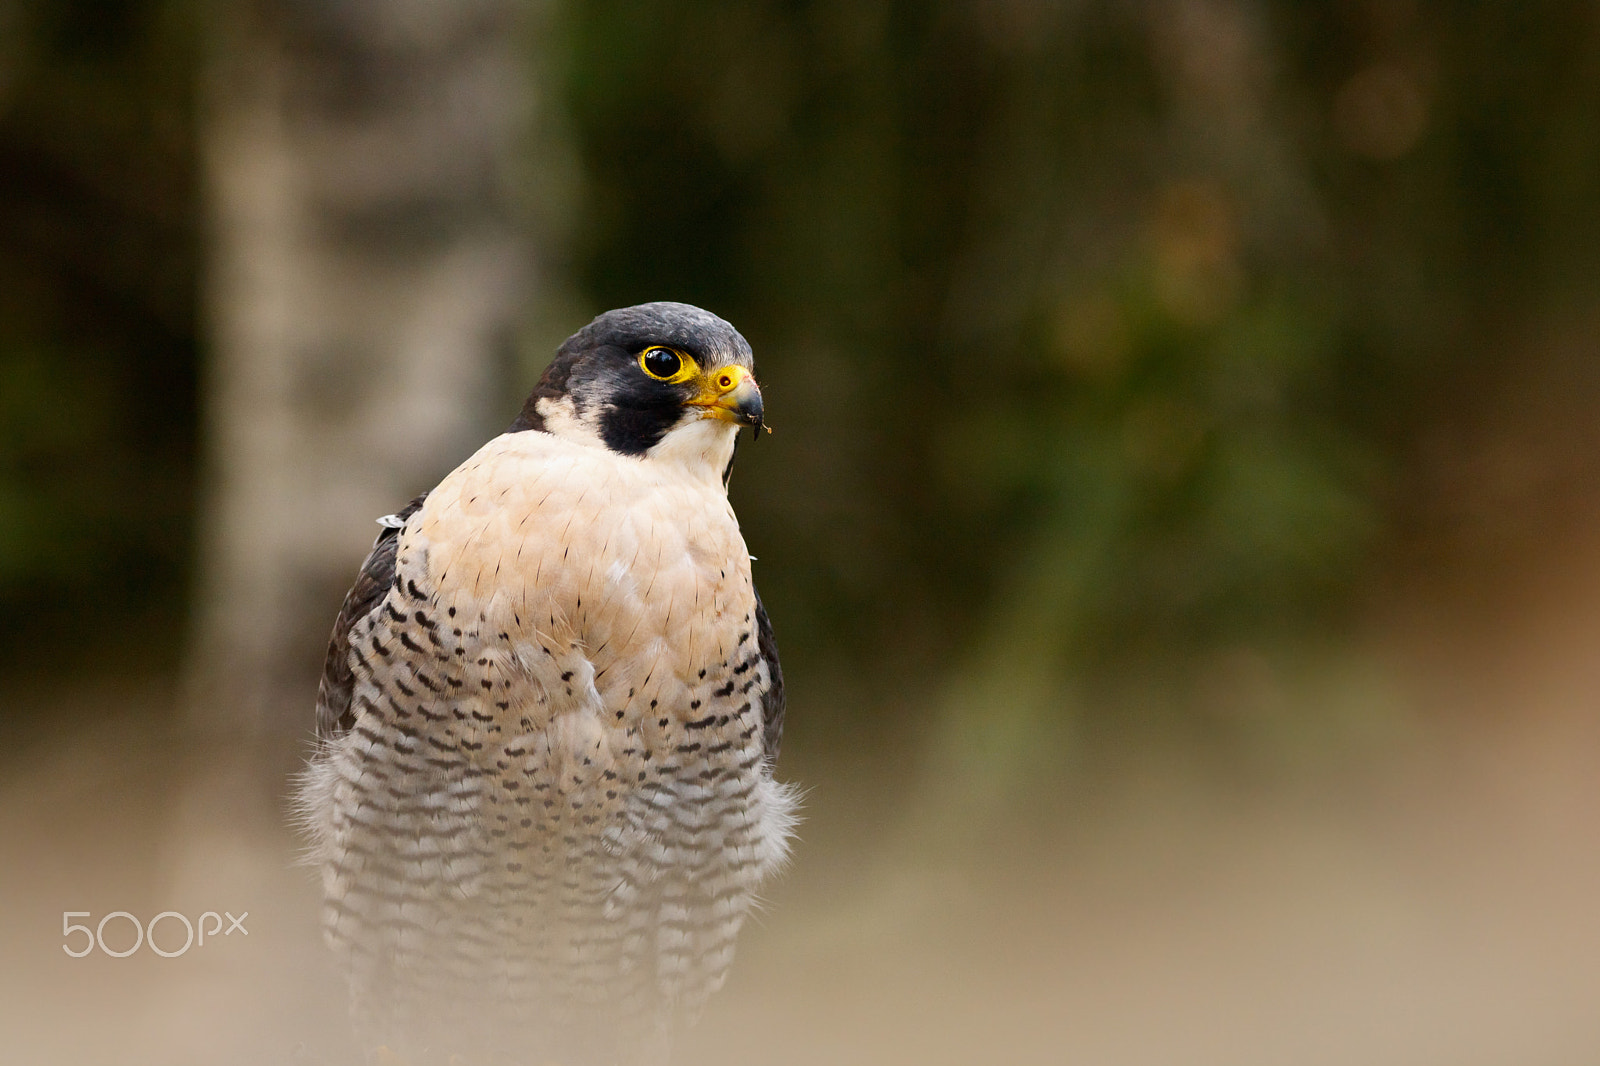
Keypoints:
pixel 1433 900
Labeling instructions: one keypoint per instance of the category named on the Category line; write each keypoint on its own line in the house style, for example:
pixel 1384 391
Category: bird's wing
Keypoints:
pixel 772 702
pixel 334 717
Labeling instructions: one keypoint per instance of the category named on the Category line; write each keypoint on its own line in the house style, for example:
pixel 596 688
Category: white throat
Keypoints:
pixel 701 448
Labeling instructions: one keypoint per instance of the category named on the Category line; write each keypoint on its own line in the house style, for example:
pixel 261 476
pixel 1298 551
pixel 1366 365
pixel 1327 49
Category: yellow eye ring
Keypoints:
pixel 667 364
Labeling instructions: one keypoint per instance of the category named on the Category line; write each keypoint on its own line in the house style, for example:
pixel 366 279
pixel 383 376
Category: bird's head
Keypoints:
pixel 663 381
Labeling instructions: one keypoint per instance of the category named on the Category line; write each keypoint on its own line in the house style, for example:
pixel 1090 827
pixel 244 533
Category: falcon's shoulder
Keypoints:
pixel 377 576
pixel 772 703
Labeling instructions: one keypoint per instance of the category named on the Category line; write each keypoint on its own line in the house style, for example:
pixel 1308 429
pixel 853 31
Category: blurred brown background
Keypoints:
pixel 1182 525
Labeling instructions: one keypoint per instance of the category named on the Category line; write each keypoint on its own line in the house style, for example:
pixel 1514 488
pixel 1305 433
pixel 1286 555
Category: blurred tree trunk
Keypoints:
pixel 364 274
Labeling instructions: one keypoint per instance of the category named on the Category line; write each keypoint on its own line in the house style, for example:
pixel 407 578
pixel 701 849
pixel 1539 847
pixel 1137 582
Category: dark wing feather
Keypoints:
pixel 334 716
pixel 773 702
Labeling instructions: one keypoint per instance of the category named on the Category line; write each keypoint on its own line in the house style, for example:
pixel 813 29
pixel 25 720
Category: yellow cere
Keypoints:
pixel 727 379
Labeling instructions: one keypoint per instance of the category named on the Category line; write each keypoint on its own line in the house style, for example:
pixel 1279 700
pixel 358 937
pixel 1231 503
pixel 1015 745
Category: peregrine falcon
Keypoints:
pixel 543 798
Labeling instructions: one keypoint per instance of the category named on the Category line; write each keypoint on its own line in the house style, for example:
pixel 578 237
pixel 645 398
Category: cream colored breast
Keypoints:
pixel 630 574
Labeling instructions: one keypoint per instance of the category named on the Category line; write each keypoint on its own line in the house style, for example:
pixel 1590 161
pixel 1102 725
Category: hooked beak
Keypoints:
pixel 731 395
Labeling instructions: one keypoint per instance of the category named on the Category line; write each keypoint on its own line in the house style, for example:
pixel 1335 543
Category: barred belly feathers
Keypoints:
pixel 544 798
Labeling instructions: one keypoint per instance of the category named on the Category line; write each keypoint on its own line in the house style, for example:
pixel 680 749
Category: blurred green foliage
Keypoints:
pixel 1099 337
pixel 1052 317
pixel 97 330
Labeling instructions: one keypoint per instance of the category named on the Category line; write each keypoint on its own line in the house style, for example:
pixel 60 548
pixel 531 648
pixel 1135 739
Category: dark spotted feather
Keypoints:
pixel 334 717
pixel 772 703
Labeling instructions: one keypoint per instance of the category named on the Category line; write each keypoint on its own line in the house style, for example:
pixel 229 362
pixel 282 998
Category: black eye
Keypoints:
pixel 661 363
